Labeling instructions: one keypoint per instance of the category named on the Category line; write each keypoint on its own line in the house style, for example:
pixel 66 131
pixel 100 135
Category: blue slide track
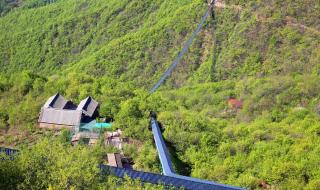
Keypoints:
pixel 182 52
pixel 171 180
pixel 163 152
pixel 166 162
pixel 8 151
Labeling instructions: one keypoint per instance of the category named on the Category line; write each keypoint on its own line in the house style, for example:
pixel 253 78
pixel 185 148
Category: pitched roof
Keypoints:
pixel 60 117
pixel 235 103
pixel 88 106
pixel 56 101
pixel 114 160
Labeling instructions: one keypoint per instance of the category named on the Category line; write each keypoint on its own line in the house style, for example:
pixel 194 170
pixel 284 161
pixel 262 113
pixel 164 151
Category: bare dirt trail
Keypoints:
pixel 223 5
pixel 289 20
pixel 293 22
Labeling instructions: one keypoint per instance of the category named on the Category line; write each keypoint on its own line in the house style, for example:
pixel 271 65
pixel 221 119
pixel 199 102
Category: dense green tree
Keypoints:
pixel 263 53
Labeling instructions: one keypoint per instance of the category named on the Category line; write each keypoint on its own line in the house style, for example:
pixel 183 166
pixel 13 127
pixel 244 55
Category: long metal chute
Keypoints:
pixel 182 52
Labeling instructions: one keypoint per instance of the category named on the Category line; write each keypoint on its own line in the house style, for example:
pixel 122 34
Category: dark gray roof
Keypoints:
pixel 88 106
pixel 60 117
pixel 56 101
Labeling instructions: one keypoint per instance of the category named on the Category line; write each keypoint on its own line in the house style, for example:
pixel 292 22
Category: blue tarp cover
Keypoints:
pixel 94 125
pixel 103 125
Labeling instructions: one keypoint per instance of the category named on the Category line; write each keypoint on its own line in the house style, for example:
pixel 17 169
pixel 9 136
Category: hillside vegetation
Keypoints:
pixel 264 53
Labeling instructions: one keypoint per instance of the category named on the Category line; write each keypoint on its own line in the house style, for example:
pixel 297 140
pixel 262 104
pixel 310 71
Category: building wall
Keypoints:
pixel 55 126
pixel 114 160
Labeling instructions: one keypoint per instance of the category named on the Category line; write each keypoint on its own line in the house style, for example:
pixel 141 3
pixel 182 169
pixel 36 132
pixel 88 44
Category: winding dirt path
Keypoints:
pixel 223 5
pixel 293 22
pixel 289 20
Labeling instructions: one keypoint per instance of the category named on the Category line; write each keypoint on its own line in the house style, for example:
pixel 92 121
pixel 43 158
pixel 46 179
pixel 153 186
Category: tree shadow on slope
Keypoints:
pixel 180 166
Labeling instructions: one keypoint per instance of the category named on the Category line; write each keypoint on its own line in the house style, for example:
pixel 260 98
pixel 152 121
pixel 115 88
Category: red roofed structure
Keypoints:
pixel 234 103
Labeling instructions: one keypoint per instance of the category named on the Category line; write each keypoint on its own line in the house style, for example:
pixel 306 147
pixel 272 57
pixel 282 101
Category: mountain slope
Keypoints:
pixel 263 53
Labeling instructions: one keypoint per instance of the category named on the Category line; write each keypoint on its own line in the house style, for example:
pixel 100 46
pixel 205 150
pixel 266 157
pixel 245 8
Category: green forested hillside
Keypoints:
pixel 264 53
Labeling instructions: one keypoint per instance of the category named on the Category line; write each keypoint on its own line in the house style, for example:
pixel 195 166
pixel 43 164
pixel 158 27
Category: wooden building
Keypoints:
pixel 114 160
pixel 58 113
pixel 58 119
pixel 115 139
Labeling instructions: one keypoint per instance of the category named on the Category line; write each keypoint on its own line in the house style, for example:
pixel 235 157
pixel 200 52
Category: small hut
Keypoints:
pixel 234 103
pixel 115 139
pixel 114 160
